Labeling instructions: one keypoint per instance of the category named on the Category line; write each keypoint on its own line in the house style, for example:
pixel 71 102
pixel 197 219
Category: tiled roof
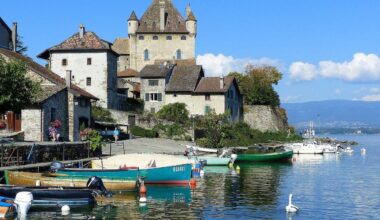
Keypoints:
pixel 182 62
pixel 48 91
pixel 191 17
pixel 127 73
pixel 89 41
pixel 155 71
pixel 133 17
pixel 150 21
pixel 212 85
pixel 46 73
pixel 121 46
pixel 185 78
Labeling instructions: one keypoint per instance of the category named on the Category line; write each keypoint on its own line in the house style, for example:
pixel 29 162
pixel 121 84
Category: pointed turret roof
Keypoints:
pixel 150 21
pixel 191 17
pixel 133 17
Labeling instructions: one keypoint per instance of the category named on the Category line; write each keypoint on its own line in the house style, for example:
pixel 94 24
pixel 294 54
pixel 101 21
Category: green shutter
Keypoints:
pixel 207 109
pixel 159 97
pixel 146 96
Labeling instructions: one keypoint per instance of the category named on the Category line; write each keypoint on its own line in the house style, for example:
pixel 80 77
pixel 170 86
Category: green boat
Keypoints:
pixel 252 155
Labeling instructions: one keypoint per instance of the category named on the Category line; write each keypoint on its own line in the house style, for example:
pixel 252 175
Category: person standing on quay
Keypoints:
pixel 116 134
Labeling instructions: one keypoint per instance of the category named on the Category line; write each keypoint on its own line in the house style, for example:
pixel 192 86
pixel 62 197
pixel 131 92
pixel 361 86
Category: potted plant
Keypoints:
pixel 85 133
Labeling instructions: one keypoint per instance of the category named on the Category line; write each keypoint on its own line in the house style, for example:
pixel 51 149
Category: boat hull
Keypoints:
pixel 30 179
pixel 264 157
pixel 52 196
pixel 214 161
pixel 178 174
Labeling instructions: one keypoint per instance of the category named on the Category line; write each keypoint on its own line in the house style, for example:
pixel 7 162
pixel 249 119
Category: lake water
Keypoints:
pixel 324 187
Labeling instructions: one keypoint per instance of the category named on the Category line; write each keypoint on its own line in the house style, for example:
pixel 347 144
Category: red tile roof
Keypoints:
pixel 212 84
pixel 127 73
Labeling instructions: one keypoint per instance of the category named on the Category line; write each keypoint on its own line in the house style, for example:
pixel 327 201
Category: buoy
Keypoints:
pixel 363 151
pixel 193 183
pixel 290 208
pixel 230 165
pixel 142 194
pixel 202 173
pixel 65 210
pixel 143 189
pixel 237 167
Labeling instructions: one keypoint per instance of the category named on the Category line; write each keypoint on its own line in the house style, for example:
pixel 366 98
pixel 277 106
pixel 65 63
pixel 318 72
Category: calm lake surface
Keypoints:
pixel 324 187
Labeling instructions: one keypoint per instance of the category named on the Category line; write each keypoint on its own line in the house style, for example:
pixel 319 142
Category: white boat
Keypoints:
pixel 348 150
pixel 328 148
pixel 305 148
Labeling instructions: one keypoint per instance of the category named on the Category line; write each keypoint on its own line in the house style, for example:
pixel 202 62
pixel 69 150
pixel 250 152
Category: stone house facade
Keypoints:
pixel 60 100
pixel 92 62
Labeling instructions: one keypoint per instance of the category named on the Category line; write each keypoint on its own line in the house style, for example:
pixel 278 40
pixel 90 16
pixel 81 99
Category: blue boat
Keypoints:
pixel 177 174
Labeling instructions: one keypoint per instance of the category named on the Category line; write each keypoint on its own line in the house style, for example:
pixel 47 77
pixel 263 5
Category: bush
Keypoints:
pixel 175 112
pixel 96 140
pixel 101 114
pixel 142 132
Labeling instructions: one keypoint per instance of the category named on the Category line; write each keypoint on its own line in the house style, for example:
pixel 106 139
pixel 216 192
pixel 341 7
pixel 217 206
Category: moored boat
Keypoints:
pixel 48 180
pixel 255 155
pixel 213 160
pixel 7 208
pixel 58 195
pixel 176 174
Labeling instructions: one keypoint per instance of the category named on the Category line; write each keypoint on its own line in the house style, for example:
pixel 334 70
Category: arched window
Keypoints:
pixel 146 54
pixel 179 54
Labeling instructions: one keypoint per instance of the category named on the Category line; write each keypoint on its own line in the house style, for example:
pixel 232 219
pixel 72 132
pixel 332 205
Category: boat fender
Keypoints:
pixel 55 166
pixel 142 194
pixel 193 183
pixel 96 183
pixel 65 210
pixel 24 202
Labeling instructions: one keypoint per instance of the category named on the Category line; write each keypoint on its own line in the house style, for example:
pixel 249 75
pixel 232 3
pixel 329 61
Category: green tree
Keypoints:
pixel 16 89
pixel 256 85
pixel 212 126
pixel 175 112
pixel 101 114
pixel 20 46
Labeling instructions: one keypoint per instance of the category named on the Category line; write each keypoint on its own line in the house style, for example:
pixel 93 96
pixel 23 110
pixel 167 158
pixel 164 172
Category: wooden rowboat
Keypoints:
pixel 33 179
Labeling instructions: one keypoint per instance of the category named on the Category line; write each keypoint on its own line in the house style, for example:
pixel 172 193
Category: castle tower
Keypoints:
pixel 133 23
pixel 191 21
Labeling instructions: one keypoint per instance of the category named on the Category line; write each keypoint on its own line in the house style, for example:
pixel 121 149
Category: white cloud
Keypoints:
pixel 371 98
pixel 374 90
pixel 362 68
pixel 217 65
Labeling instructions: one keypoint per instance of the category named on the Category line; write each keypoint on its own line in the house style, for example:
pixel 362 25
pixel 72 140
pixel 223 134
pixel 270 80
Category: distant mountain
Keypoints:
pixel 334 114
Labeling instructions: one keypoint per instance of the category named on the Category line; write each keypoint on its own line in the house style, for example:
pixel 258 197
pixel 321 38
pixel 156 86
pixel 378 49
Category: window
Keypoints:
pixel 152 110
pixel 169 37
pixel 207 97
pixel 83 102
pixel 153 82
pixel 183 37
pixel 207 109
pixel 88 81
pixel 64 62
pixel 141 37
pixel 155 37
pixel 153 97
pixel 179 54
pixel 53 114
pixel 89 61
pixel 146 54
pixel 175 95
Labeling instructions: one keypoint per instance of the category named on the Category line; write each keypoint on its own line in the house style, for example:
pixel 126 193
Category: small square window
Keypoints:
pixel 64 62
pixel 89 61
pixel 169 37
pixel 141 37
pixel 207 97
pixel 88 81
pixel 155 37
pixel 153 82
pixel 183 37
pixel 175 95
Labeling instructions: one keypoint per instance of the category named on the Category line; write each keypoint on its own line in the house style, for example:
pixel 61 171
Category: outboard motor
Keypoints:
pixel 96 183
pixel 24 202
pixel 55 166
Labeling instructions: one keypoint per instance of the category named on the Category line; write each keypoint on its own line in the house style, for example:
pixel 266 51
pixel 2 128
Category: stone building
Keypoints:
pixel 166 84
pixel 93 64
pixel 161 34
pixel 128 83
pixel 60 100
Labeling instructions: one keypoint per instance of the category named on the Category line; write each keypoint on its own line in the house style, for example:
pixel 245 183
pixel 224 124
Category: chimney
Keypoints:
pixel 68 78
pixel 162 15
pixel 81 31
pixel 221 82
pixel 14 36
pixel 188 10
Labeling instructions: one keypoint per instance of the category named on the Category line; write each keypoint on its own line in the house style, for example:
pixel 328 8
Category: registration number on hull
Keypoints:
pixel 178 169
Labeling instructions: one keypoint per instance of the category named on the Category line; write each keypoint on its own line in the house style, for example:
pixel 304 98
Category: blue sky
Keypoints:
pixel 294 35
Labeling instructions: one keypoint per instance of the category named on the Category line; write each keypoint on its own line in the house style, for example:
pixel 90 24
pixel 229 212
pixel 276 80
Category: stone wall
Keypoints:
pixel 266 118
pixel 31 124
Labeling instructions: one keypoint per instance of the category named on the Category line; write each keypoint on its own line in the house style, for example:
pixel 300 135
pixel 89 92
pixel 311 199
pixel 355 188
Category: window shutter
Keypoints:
pixel 159 97
pixel 146 96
